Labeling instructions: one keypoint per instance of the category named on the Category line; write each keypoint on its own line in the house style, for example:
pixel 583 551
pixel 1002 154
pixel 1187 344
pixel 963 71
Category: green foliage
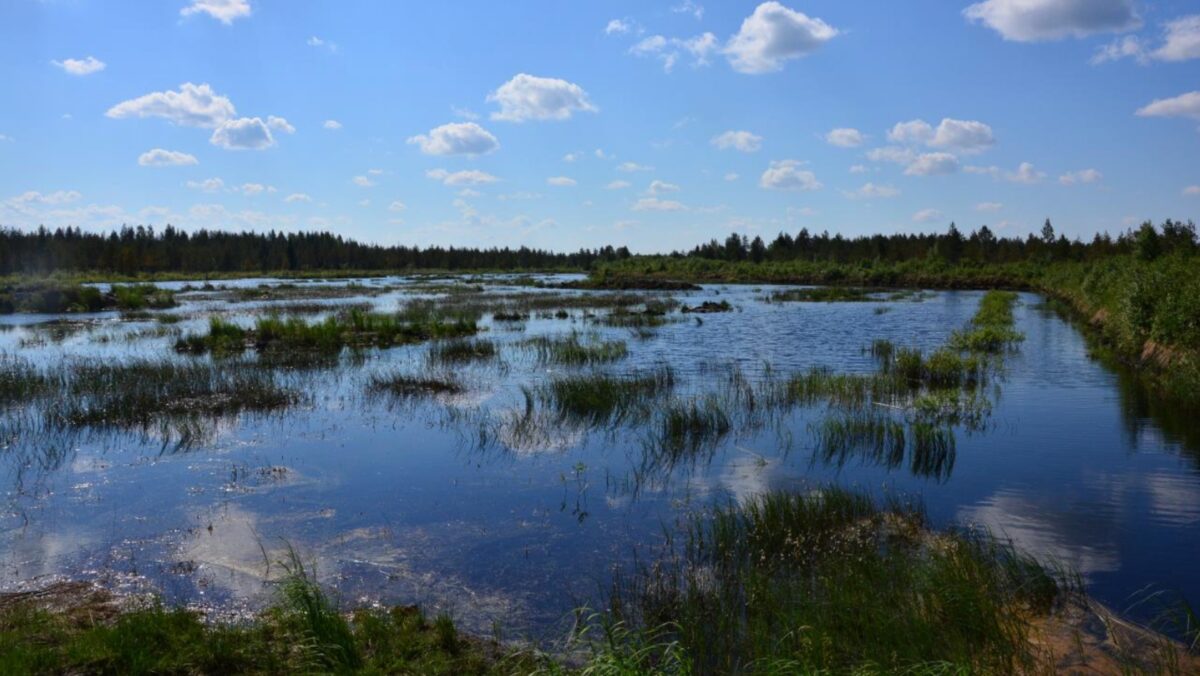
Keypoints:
pixel 570 350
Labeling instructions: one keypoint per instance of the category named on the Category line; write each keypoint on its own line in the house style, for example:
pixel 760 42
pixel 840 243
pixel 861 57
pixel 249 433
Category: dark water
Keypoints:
pixel 404 503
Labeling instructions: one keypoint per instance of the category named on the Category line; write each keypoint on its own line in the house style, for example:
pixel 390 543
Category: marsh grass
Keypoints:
pixel 831 582
pixel 599 399
pixel 405 386
pixel 303 631
pixel 355 328
pixel 991 329
pixel 686 428
pixel 822 294
pixel 572 350
pixel 462 351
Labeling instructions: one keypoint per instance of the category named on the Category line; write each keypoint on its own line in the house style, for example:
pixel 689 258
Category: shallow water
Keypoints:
pixel 407 502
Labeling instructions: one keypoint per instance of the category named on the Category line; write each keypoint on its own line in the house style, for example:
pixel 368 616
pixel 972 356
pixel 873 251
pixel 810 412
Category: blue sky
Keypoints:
pixel 578 124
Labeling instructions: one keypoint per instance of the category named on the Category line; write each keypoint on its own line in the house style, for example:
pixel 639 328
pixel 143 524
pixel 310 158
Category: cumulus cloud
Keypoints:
pixel 1129 46
pixel 159 157
pixel 456 138
pixel 845 138
pixel 315 41
pixel 1181 40
pixel 870 190
pixel 966 136
pixel 332 125
pixel 363 182
pixel 894 154
pixel 527 97
pixel 731 176
pixel 658 187
pixel 466 177
pixel 252 189
pixel 668 50
pixel 630 167
pixel 280 124
pixel 207 185
pixel 618 185
pixel 656 204
pixel 297 197
pixel 989 206
pixel 926 215
pixel 561 181
pixel 1192 190
pixel 689 7
pixel 192 106
pixel 1081 176
pixel 1025 173
pixel 960 135
pixel 225 11
pixel 932 164
pixel 1038 20
pixel 738 140
pixel 397 205
pixel 50 199
pixel 84 66
pixel 246 133
pixel 1184 105
pixel 788 175
pixel 774 34
pixel 858 169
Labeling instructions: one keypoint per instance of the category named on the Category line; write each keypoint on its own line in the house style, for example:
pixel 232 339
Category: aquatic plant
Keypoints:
pixel 573 351
pixel 405 386
pixel 462 351
pixel 822 294
pixel 602 399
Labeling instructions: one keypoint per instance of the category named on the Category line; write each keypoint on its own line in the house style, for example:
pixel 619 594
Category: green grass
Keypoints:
pixel 52 297
pixel 831 582
pixel 822 294
pixel 406 386
pixel 355 328
pixel 602 399
pixel 462 351
pixel 571 350
pixel 302 632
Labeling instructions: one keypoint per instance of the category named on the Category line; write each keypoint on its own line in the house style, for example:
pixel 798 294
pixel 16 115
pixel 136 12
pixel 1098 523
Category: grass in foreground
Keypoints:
pixel 830 582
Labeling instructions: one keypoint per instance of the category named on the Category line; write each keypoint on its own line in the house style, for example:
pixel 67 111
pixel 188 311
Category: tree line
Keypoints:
pixel 131 250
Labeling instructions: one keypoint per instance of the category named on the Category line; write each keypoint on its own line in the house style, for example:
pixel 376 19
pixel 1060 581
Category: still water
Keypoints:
pixel 435 501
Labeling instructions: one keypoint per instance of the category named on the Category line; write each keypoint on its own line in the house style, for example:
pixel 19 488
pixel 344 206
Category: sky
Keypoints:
pixel 569 124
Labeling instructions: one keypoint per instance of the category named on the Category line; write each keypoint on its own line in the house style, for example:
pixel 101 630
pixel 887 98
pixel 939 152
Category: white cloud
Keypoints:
pixel 870 190
pixel 668 50
pixel 689 7
pixel 738 140
pixel 50 199
pixel 397 206
pixel 363 182
pixel 315 41
pixel 571 157
pixel 527 97
pixel 932 164
pixel 845 138
pixel 894 154
pixel 252 189
pixel 617 27
pixel 332 125
pixel 225 11
pixel 926 215
pixel 618 185
pixel 1181 40
pixel 1129 46
pixel 655 204
pixel 962 135
pixel 466 177
pixel 1192 190
pixel 84 66
pixel 787 175
pixel 247 133
pixel 297 197
pixel 989 206
pixel 207 185
pixel 158 157
pixel 772 35
pixel 599 153
pixel 280 124
pixel 1025 173
pixel 192 106
pixel 456 138
pixel 1184 105
pixel 966 136
pixel 375 172
pixel 858 169
pixel 731 176
pixel 561 181
pixel 630 167
pixel 1081 176
pixel 658 187
pixel 1036 20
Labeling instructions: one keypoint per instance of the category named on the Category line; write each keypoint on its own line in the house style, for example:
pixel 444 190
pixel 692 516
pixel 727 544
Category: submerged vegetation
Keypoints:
pixel 572 351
